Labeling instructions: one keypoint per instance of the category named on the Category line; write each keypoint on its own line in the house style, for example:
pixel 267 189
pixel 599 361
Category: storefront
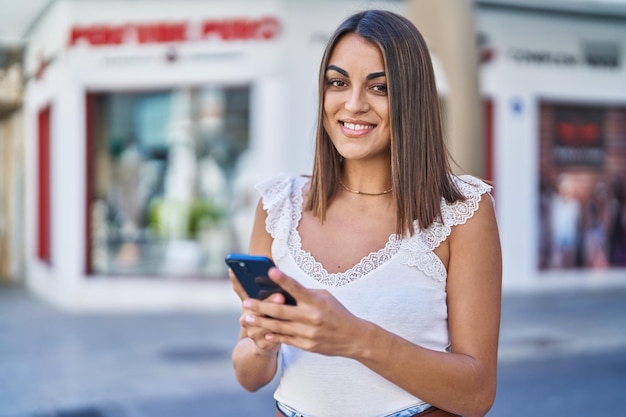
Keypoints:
pixel 559 126
pixel 147 128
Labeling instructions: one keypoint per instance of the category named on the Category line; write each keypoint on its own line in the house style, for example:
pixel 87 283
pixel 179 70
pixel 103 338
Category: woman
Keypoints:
pixel 394 262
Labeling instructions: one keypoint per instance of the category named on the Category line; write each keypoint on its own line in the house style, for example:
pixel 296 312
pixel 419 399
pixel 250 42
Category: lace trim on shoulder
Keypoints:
pixel 282 199
pixel 458 212
pixel 415 252
pixel 418 250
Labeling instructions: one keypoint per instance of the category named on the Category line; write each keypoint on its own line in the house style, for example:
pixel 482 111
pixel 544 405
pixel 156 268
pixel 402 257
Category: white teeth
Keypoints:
pixel 353 126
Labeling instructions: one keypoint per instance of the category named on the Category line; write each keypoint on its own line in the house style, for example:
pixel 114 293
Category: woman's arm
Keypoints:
pixel 463 381
pixel 253 357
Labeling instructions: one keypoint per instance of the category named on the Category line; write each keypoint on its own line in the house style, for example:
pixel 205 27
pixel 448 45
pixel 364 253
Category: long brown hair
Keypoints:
pixel 420 169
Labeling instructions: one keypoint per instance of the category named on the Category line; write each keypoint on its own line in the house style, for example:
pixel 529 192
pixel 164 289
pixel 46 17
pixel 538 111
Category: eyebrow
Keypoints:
pixel 375 75
pixel 345 73
pixel 338 69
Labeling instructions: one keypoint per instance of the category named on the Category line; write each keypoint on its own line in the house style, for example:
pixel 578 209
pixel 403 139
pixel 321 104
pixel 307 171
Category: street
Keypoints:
pixel 560 355
pixel 572 386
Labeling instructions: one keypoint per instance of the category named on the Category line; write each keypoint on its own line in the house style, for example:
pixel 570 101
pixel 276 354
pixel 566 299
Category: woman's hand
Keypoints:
pixel 319 323
pixel 256 333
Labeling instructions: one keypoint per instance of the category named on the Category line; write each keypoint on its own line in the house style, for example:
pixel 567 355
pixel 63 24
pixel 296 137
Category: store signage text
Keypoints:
pixel 591 57
pixel 238 29
pixel 578 136
pixel 543 57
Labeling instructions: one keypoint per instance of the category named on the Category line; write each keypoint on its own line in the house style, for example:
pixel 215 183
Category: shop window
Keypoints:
pixel 161 168
pixel 582 180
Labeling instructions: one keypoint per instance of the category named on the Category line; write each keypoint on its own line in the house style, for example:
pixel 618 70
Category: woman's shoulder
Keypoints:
pixel 284 180
pixel 281 187
pixel 281 199
pixel 470 185
pixel 460 211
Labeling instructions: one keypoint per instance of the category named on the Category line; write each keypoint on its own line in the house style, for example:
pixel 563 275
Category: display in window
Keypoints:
pixel 163 168
pixel 582 212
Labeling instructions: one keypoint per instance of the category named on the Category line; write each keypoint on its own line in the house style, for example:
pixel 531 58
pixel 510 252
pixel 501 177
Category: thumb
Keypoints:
pixel 288 284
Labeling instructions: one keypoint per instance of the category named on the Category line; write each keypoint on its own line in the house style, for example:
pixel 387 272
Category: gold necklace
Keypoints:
pixel 362 192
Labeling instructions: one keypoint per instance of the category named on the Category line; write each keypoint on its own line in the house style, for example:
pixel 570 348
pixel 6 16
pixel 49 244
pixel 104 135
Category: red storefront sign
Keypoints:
pixel 578 136
pixel 239 29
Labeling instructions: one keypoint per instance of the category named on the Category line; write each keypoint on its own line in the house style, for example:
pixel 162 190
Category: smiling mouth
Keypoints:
pixel 357 127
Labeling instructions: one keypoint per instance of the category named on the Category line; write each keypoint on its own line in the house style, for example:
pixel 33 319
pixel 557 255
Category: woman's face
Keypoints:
pixel 356 104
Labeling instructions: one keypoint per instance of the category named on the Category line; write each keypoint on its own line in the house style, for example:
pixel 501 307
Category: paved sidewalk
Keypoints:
pixel 54 363
pixel 566 323
pixel 59 364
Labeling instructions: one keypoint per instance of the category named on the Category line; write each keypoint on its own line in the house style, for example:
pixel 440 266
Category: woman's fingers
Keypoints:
pixel 241 293
pixel 254 331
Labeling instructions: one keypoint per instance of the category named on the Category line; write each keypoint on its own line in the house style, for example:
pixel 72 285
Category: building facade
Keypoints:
pixel 145 129
pixel 558 123
pixel 12 170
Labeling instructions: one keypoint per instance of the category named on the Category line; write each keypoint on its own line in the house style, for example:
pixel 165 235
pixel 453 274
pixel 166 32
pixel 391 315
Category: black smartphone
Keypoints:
pixel 251 271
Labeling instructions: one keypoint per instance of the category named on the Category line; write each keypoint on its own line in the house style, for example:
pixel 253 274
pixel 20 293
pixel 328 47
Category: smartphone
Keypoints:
pixel 251 272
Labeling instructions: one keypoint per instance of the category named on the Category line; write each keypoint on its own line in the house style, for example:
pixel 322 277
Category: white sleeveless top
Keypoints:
pixel 401 287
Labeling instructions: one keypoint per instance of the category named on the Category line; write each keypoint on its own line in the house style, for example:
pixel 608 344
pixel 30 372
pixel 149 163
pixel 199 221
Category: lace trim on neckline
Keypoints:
pixel 316 270
pixel 283 200
pixel 307 262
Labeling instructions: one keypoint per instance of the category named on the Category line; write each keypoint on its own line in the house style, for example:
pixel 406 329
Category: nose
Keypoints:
pixel 356 102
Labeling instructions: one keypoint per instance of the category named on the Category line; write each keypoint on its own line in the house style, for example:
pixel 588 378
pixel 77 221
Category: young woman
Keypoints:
pixel 394 261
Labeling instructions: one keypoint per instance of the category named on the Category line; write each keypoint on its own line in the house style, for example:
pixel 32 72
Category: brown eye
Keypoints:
pixel 380 88
pixel 335 83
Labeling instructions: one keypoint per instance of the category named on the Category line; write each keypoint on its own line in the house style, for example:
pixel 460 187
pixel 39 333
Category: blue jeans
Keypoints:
pixel 407 412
